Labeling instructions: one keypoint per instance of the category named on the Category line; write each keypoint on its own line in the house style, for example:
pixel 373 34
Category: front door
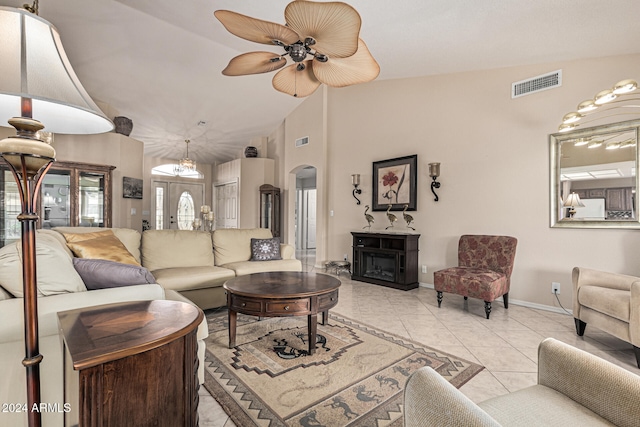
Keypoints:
pixel 184 204
pixel 173 199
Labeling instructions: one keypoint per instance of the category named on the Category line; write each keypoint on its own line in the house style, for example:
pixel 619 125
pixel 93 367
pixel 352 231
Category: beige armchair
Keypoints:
pixel 574 388
pixel 608 301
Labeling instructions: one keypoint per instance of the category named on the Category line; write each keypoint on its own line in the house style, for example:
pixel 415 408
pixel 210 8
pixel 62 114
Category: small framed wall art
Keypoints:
pixel 131 188
pixel 395 183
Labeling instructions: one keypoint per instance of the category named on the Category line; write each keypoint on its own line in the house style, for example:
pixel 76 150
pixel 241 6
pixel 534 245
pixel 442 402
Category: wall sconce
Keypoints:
pixel 355 180
pixel 434 173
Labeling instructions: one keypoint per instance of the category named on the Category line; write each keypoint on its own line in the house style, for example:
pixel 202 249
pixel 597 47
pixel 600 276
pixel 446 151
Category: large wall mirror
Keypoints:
pixel 594 177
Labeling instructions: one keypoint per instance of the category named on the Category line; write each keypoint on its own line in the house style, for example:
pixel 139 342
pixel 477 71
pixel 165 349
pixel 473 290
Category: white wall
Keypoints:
pixel 494 160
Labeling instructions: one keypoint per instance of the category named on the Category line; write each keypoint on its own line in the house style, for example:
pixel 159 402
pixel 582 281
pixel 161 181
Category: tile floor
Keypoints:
pixel 506 344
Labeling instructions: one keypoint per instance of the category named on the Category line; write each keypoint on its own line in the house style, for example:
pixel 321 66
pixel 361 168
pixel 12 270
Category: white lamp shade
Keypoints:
pixel 572 201
pixel 34 65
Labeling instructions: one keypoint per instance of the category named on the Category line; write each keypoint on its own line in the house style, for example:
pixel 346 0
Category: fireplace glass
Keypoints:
pixel 379 266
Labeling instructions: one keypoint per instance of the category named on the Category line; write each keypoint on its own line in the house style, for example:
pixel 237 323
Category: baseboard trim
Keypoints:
pixel 520 303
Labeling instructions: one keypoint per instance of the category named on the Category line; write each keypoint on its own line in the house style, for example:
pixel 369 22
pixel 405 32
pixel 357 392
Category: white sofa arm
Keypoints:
pixel 287 251
pixel 12 319
pixel 600 386
pixel 431 401
pixel 203 328
pixel 588 277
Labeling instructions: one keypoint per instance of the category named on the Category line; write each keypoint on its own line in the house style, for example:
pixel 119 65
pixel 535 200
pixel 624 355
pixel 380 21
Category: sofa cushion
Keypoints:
pixel 188 278
pixel 265 249
pixel 471 282
pixel 130 238
pixel 54 269
pixel 99 245
pixel 612 302
pixel 234 244
pixel 248 267
pixel 176 248
pixel 541 406
pixel 103 274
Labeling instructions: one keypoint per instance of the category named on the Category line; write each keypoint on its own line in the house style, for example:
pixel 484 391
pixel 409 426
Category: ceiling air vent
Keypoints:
pixel 302 141
pixel 536 84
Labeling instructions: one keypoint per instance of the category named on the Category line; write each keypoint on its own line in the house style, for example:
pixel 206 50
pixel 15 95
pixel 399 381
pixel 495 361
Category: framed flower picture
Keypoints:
pixel 395 183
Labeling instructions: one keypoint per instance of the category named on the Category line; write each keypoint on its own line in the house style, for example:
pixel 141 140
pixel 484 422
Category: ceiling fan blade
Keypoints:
pixel 334 26
pixel 253 63
pixel 255 30
pixel 339 72
pixel 296 83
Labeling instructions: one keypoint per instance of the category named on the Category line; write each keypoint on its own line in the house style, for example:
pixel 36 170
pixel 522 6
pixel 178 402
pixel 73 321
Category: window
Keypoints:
pixel 168 170
pixel 186 211
pixel 159 208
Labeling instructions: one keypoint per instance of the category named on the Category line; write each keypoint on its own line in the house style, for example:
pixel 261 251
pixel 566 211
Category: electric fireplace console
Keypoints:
pixel 387 259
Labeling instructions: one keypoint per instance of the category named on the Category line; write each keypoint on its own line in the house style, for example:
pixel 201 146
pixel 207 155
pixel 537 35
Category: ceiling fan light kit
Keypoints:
pixel 322 40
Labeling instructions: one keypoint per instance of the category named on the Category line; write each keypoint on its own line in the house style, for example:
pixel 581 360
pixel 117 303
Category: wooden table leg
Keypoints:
pixel 325 317
pixel 233 315
pixel 312 321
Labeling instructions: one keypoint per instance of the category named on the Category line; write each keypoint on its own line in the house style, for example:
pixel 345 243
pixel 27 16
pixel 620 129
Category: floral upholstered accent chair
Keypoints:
pixel 484 270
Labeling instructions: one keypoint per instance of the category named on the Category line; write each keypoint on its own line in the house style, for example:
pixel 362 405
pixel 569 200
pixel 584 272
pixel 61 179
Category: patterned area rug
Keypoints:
pixel 355 378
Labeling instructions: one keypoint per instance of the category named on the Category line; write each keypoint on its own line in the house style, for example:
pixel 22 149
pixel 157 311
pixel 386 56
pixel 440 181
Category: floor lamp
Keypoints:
pixel 37 79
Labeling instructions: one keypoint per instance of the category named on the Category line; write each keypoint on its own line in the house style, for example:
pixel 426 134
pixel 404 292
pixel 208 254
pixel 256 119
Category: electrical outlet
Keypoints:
pixel 555 288
pixel 345 257
pixel 424 269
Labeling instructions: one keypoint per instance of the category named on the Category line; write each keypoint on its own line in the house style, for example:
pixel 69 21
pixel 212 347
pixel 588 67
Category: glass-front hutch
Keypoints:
pixel 72 194
pixel 270 208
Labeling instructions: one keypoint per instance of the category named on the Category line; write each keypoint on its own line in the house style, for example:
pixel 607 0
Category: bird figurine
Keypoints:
pixel 392 218
pixel 368 217
pixel 408 218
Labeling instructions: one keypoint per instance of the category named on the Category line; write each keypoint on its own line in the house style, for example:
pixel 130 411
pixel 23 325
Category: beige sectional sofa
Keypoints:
pixel 185 266
pixel 197 264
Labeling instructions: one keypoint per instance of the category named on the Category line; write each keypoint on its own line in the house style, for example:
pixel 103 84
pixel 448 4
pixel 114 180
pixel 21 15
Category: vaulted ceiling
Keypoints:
pixel 159 62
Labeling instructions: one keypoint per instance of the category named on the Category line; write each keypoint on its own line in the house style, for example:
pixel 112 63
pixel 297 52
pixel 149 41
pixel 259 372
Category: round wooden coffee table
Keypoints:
pixel 282 294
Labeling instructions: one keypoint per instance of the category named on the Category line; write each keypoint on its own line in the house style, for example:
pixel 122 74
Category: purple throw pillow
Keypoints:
pixel 102 274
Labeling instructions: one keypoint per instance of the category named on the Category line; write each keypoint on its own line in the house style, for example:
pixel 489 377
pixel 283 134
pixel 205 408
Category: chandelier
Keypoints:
pixel 185 164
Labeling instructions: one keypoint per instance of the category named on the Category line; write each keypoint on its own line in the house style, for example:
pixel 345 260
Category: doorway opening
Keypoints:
pixel 305 220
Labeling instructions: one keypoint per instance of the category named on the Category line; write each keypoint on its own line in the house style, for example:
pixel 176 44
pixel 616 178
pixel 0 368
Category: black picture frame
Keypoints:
pixel 131 188
pixel 395 182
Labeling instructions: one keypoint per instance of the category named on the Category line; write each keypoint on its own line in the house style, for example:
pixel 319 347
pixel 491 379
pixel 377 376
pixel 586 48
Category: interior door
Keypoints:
pixel 227 205
pixel 185 200
pixel 310 211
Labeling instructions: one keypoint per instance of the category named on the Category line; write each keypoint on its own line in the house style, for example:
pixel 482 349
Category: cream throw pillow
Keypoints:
pixel 99 245
pixel 54 269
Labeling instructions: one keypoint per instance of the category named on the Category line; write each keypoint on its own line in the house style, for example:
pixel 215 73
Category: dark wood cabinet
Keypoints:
pixel 76 195
pixel 387 259
pixel 619 199
pixel 270 208
pixel 131 364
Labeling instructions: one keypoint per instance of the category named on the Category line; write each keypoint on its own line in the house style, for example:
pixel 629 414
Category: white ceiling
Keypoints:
pixel 159 62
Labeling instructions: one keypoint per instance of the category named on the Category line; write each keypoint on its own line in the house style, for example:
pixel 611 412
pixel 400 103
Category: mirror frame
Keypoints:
pixel 555 141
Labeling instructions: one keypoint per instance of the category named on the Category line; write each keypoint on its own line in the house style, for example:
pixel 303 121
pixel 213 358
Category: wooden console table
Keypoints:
pixel 137 364
pixel 387 259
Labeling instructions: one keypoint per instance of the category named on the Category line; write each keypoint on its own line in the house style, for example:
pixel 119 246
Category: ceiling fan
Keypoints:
pixel 322 39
